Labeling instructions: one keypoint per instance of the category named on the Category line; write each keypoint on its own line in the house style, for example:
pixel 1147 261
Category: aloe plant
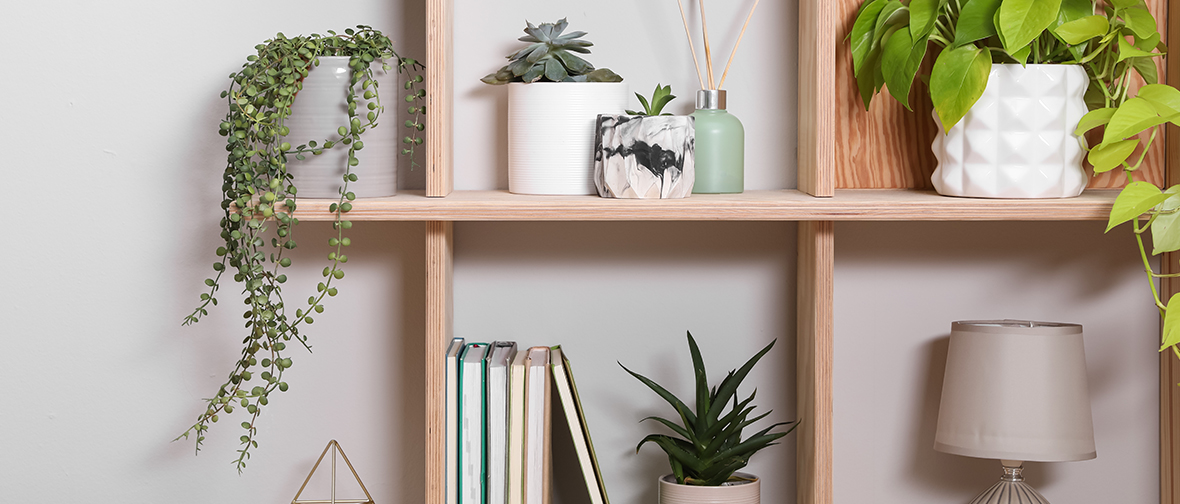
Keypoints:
pixel 710 447
pixel 549 58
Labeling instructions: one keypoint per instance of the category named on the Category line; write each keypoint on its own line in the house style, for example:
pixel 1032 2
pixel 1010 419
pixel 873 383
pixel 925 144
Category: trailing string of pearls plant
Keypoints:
pixel 259 199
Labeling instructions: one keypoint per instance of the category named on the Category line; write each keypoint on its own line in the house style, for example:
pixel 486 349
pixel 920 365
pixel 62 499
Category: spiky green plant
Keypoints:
pixel 550 58
pixel 661 97
pixel 711 447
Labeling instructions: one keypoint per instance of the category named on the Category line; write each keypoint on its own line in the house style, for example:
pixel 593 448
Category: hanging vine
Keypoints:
pixel 259 201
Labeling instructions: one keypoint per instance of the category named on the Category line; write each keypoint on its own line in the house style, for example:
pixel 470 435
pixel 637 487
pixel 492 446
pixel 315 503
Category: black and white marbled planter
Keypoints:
pixel 644 157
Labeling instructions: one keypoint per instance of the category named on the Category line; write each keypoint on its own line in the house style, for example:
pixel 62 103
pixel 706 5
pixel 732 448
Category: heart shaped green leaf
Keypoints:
pixel 957 81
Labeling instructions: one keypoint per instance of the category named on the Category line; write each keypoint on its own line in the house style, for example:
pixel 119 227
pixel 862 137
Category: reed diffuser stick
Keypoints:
pixel 708 50
pixel 696 65
pixel 735 46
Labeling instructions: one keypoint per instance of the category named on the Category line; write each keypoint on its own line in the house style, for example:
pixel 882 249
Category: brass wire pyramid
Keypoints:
pixel 335 447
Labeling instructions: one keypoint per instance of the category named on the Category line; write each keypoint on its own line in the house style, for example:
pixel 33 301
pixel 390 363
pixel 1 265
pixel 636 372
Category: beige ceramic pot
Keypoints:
pixel 745 492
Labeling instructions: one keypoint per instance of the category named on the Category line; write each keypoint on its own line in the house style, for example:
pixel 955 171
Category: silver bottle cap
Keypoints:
pixel 711 99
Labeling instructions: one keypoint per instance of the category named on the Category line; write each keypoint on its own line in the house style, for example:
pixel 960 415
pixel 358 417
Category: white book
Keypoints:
pixel 536 455
pixel 499 359
pixel 472 420
pixel 452 426
pixel 567 393
pixel 516 428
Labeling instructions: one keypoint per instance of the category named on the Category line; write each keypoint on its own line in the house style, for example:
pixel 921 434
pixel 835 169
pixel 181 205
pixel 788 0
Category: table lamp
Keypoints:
pixel 1015 390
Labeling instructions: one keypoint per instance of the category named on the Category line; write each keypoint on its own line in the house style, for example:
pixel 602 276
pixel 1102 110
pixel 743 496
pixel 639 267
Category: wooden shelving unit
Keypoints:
pixel 853 165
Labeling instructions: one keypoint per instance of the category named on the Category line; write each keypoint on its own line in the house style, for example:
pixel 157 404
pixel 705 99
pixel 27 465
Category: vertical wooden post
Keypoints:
pixel 1170 263
pixel 817 97
pixel 439 317
pixel 815 338
pixel 440 78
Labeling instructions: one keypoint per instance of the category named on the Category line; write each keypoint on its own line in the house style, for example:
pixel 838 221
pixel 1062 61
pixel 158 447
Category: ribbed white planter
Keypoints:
pixel 551 134
pixel 1017 141
pixel 739 493
pixel 321 108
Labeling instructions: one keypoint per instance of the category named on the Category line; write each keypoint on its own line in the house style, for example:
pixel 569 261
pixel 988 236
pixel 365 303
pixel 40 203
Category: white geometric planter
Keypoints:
pixel 746 492
pixel 551 134
pixel 644 157
pixel 1017 141
pixel 321 108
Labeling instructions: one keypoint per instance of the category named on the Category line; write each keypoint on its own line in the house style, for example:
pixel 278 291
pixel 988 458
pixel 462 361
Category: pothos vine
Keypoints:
pixel 259 200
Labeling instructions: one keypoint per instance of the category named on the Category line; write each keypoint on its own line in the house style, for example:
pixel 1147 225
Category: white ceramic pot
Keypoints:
pixel 1017 141
pixel 644 157
pixel 551 134
pixel 747 492
pixel 321 108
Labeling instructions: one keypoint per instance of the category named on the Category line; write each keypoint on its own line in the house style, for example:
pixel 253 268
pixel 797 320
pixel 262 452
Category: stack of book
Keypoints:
pixel 498 423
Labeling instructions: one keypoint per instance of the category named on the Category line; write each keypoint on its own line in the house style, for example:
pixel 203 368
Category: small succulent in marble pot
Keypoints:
pixel 647 154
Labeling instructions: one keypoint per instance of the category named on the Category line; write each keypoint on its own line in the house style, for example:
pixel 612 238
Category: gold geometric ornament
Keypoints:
pixel 335 448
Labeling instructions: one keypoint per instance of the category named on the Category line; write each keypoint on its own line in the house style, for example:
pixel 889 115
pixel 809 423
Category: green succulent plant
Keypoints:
pixel 661 97
pixel 710 447
pixel 550 58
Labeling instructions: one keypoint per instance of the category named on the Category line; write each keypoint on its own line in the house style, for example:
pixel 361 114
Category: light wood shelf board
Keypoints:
pixel 780 205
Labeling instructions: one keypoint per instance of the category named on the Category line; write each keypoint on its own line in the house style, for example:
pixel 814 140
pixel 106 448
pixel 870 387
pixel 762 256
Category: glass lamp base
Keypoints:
pixel 1010 489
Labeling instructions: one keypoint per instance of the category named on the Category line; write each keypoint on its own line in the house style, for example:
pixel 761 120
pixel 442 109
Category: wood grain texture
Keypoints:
pixel 815 341
pixel 817 92
pixel 784 205
pixel 887 146
pixel 439 330
pixel 439 97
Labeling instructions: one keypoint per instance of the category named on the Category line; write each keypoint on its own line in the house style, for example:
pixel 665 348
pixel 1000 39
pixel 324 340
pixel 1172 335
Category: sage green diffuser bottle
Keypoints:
pixel 720 146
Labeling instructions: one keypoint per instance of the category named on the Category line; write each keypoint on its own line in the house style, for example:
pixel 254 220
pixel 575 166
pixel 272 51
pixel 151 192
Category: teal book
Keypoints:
pixel 473 423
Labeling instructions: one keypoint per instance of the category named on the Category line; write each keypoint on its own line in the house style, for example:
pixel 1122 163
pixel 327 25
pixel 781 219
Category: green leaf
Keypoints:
pixel 702 386
pixel 1165 99
pixel 1140 21
pixel 1124 4
pixel 1021 21
pixel 1126 50
pixel 866 81
pixel 894 13
pixel 1135 199
pixel 862 33
pixel 899 63
pixel 977 21
pixel 1081 30
pixel 1146 69
pixel 675 448
pixel 1165 229
pixel 957 81
pixel 1106 157
pixel 1171 331
pixel 1150 43
pixel 922 16
pixel 1073 10
pixel 730 384
pixel 1131 118
pixel 1094 119
pixel 672 425
pixel 686 415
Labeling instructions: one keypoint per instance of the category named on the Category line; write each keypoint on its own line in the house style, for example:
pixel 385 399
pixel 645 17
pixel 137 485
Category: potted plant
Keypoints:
pixel 259 197
pixel 554 97
pixel 1010 82
pixel 645 154
pixel 710 449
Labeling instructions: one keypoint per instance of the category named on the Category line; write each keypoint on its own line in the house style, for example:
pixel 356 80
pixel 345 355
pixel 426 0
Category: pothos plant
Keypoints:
pixel 259 201
pixel 890 40
pixel 710 447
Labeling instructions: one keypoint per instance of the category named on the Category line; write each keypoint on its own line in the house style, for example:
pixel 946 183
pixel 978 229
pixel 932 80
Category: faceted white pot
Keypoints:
pixel 644 157
pixel 1017 141
pixel 551 134
pixel 745 492
pixel 320 109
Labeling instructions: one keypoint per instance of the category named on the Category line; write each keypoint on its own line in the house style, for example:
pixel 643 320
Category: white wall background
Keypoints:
pixel 112 170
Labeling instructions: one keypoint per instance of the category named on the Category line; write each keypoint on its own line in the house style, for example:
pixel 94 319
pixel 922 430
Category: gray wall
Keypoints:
pixel 112 170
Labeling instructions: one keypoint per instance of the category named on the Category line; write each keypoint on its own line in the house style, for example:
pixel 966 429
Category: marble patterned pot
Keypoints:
pixel 1017 141
pixel 745 492
pixel 551 134
pixel 321 108
pixel 644 157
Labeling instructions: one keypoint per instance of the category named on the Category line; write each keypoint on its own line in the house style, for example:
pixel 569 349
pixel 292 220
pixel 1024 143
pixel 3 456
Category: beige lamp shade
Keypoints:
pixel 1016 390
